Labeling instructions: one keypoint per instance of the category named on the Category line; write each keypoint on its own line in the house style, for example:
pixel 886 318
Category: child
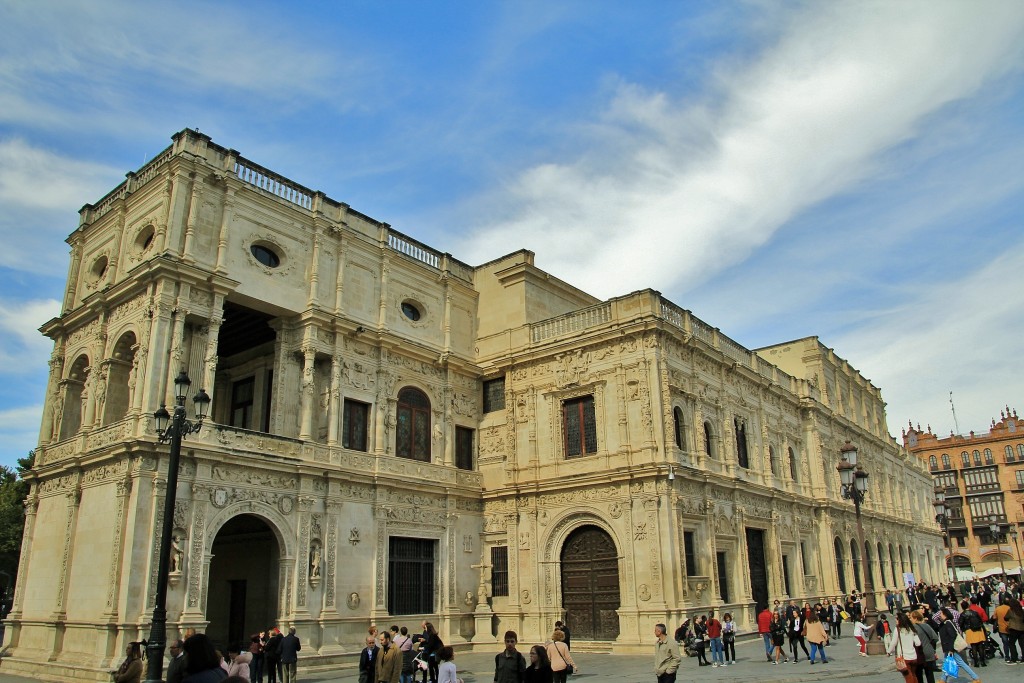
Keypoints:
pixel 509 664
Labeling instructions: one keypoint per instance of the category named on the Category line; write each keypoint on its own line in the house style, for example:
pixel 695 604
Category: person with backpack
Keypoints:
pixel 972 623
pixel 948 636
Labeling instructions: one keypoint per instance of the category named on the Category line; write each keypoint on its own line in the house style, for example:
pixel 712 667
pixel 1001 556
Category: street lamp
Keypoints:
pixel 1013 537
pixel 942 519
pixel 995 528
pixel 855 488
pixel 179 428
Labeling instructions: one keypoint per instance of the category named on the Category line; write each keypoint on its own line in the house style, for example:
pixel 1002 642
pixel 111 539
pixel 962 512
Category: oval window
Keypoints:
pixel 410 311
pixel 265 256
pixel 99 268
pixel 144 240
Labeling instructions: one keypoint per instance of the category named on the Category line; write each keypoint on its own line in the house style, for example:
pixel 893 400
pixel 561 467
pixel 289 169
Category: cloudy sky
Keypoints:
pixel 852 170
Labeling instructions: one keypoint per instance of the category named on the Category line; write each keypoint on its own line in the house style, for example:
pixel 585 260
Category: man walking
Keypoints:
pixel 764 627
pixel 290 647
pixel 666 655
pixel 389 661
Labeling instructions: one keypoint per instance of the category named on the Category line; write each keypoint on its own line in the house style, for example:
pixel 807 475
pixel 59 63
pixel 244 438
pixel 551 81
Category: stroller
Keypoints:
pixel 420 668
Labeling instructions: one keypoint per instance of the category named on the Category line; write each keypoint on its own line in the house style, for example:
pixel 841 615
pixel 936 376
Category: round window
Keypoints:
pixel 265 255
pixel 144 240
pixel 410 311
pixel 99 268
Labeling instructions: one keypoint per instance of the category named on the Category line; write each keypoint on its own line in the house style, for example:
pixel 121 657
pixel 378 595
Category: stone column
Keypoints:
pixel 198 559
pixel 222 239
pixel 334 410
pixel 124 490
pixel 339 282
pixel 49 426
pixel 301 587
pixel 308 393
pixel 210 357
pixel 74 498
pixel 195 204
pixel 314 271
pixel 31 508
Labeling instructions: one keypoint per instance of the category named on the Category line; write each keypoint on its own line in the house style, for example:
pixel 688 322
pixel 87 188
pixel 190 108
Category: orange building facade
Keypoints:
pixel 982 476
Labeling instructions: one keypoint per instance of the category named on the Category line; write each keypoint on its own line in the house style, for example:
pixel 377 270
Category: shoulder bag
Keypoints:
pixel 960 644
pixel 568 666
pixel 901 663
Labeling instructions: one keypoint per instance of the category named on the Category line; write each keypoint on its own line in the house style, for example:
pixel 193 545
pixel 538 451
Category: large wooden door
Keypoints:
pixel 758 566
pixel 590 585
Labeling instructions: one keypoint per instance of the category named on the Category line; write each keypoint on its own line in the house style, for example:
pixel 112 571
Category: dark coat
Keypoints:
pixel 272 650
pixel 176 669
pixel 368 658
pixel 290 647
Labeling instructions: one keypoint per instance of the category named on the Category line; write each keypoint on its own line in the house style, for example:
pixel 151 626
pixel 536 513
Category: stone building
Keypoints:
pixel 982 475
pixel 398 436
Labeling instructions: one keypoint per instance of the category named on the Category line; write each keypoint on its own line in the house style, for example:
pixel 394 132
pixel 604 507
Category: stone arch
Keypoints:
pixel 679 427
pixel 837 546
pixel 590 581
pixel 413 419
pixel 711 441
pixel 558 532
pixel 277 522
pixel 120 378
pixel 69 412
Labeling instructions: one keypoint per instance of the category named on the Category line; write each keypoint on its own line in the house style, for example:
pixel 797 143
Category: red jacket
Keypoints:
pixel 980 611
pixel 714 628
pixel 764 621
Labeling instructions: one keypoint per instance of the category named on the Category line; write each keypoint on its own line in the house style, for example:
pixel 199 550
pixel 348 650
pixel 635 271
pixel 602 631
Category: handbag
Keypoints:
pixel 960 643
pixel 950 667
pixel 901 663
pixel 844 614
pixel 568 666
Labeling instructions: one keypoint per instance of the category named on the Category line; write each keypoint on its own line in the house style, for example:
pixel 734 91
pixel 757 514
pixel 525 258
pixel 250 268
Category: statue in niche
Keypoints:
pixel 177 554
pixel 314 562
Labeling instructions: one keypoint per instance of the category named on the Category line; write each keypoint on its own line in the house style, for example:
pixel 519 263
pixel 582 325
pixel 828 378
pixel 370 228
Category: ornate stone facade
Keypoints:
pixel 373 397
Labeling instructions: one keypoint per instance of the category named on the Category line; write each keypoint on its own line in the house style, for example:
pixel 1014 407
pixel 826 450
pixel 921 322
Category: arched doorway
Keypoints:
pixel 590 584
pixel 242 593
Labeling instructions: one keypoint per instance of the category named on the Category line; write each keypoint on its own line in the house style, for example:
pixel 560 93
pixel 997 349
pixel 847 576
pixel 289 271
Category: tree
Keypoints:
pixel 13 490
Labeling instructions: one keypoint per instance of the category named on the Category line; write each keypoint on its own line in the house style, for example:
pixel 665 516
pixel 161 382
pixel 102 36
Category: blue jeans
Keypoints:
pixel 716 651
pixel 815 647
pixel 964 670
pixel 768 647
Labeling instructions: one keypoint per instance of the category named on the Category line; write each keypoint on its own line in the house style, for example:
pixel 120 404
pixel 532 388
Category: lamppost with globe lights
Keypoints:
pixel 942 519
pixel 179 428
pixel 995 527
pixel 855 488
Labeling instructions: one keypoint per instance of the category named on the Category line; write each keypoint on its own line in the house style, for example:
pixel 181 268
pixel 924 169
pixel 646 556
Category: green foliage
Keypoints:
pixel 13 490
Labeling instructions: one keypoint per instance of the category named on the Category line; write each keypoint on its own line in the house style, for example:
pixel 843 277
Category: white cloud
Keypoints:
pixel 710 182
pixel 19 432
pixel 22 347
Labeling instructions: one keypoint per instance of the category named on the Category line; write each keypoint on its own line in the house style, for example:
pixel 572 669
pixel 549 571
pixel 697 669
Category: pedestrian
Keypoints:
pixel 539 670
pixel 176 669
pixel 816 636
pixel 430 644
pixel 715 640
pixel 446 669
pixel 389 660
pixel 700 636
pixel 778 632
pixel 729 638
pixel 948 635
pixel 368 661
pixel 404 644
pixel 929 641
pixel 509 664
pixel 203 661
pixel 562 663
pixel 795 631
pixel 290 647
pixel 256 666
pixel 239 662
pixel 561 626
pixel 272 654
pixel 860 633
pixel 666 655
pixel 1000 619
pixel 905 643
pixel 764 624
pixel 1015 631
pixel 130 670
pixel 972 625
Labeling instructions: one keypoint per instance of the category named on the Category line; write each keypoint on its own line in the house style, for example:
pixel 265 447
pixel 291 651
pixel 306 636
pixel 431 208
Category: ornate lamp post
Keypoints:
pixel 996 528
pixel 1013 539
pixel 855 488
pixel 179 428
pixel 942 519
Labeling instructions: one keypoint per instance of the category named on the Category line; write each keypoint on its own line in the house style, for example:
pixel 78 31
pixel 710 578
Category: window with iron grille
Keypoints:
pixel 494 395
pixel 499 571
pixel 464 448
pixel 411 575
pixel 353 428
pixel 412 433
pixel 690 553
pixel 579 426
pixel 242 398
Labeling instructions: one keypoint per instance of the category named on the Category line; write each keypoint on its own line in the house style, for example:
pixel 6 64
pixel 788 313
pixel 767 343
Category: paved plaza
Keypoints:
pixel 844 663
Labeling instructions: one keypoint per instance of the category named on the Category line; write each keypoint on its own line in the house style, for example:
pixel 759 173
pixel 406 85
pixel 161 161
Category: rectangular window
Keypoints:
pixel 785 574
pixel 723 577
pixel 354 425
pixel 241 402
pixel 411 576
pixel 268 397
pixel 580 427
pixel 690 553
pixel 1020 479
pixel 803 557
pixel 742 457
pixel 464 448
pixel 494 395
pixel 499 571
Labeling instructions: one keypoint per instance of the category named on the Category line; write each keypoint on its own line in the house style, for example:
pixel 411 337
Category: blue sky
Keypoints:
pixel 851 170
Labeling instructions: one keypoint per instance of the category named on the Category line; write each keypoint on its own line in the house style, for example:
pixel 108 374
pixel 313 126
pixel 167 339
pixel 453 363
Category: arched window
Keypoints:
pixel 965 458
pixel 1009 453
pixel 933 462
pixel 1020 451
pixel 708 436
pixel 840 566
pixel 120 379
pixel 677 417
pixel 67 418
pixel 742 458
pixel 855 560
pixel 988 456
pixel 412 434
pixel 772 461
pixel 793 469
pixel 977 458
pixel 945 461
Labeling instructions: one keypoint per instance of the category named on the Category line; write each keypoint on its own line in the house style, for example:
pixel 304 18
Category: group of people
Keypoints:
pixel 395 656
pixel 195 659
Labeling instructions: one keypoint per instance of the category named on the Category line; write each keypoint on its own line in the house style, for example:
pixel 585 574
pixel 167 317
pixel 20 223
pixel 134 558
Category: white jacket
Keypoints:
pixel 903 642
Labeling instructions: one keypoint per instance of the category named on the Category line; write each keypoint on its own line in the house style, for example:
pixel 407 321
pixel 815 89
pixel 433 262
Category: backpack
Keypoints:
pixel 971 620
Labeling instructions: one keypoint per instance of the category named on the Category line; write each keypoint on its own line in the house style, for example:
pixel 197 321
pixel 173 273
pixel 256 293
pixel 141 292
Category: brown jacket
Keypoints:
pixel 389 664
pixel 816 633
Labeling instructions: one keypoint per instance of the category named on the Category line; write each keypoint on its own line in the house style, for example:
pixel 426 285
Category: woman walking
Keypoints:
pixel 539 670
pixel 700 638
pixel 559 657
pixel 729 638
pixel 778 631
pixel 905 643
pixel 816 636
pixel 929 639
pixel 948 635
pixel 796 634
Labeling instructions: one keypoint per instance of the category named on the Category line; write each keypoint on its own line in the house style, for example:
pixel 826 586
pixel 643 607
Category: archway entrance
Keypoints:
pixel 242 593
pixel 590 584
